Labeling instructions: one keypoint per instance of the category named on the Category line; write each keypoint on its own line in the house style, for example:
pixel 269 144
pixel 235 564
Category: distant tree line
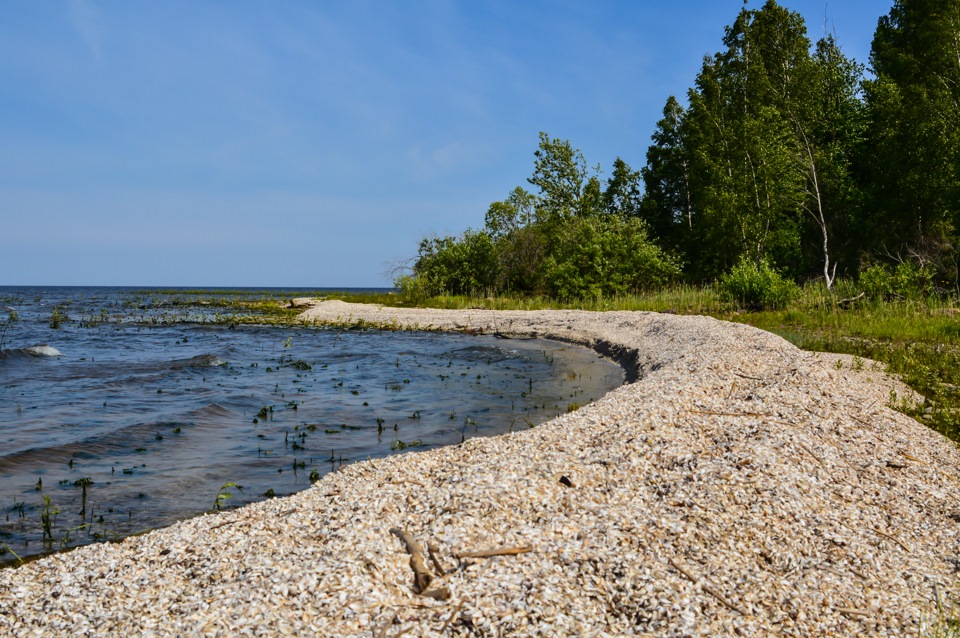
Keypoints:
pixel 787 157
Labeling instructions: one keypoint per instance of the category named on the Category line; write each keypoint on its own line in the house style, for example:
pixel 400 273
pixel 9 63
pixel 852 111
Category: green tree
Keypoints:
pixel 667 200
pixel 606 255
pixel 741 148
pixel 911 161
pixel 624 191
pixel 591 202
pixel 559 173
pixel 517 211
pixel 827 119
pixel 758 167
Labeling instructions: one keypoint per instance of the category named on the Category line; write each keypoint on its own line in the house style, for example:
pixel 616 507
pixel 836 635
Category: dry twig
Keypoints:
pixel 450 619
pixel 382 632
pixel 894 539
pixel 496 551
pixel 853 612
pixel 432 551
pixel 707 588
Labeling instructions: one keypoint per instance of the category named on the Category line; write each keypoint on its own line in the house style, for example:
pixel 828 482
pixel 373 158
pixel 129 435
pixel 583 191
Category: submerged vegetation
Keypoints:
pixel 270 409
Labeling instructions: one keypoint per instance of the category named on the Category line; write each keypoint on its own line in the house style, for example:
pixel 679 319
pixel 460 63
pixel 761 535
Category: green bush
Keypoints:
pixel 413 290
pixel 458 265
pixel 876 281
pixel 907 281
pixel 606 256
pixel 757 286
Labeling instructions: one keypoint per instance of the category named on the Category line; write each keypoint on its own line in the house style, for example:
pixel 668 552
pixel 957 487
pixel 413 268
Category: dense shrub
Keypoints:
pixel 602 255
pixel 520 258
pixel 462 265
pixel 757 286
pixel 413 290
pixel 606 255
pixel 907 281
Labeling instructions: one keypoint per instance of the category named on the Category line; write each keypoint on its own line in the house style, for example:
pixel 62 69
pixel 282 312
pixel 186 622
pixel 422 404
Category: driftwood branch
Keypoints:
pixel 496 551
pixel 421 575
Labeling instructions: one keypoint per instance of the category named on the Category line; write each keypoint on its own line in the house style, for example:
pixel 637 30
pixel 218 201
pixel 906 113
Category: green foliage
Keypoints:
pixel 572 239
pixel 876 281
pixel 223 496
pixel 4 548
pixel 760 163
pixel 57 318
pixel 666 203
pixel 624 192
pixel 757 286
pixel 517 211
pixel 606 256
pixel 460 265
pixel 911 156
pixel 784 165
pixel 559 174
pixel 908 280
pixel 47 515
pixel 413 290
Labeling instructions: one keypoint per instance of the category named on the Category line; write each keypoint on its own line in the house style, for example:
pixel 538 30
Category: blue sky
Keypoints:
pixel 313 144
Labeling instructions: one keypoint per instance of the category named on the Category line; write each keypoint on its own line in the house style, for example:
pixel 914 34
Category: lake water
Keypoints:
pixel 157 400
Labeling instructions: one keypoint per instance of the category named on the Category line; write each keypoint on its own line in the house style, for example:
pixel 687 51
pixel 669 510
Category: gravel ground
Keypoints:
pixel 738 486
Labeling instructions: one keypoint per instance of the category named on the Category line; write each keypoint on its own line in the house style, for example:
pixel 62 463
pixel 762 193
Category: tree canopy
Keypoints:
pixel 783 156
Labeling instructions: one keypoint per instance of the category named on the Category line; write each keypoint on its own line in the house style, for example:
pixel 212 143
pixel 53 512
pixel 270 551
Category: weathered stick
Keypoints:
pixel 853 612
pixel 705 587
pixel 894 539
pixel 496 551
pixel 421 575
pixel 432 551
pixel 450 619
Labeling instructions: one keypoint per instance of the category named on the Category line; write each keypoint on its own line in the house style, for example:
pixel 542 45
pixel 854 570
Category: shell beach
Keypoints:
pixel 736 485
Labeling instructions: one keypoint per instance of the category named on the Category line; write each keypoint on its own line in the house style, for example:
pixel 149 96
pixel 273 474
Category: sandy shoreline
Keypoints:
pixel 739 486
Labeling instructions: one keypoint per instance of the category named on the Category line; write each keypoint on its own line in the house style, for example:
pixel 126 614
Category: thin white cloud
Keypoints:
pixel 88 22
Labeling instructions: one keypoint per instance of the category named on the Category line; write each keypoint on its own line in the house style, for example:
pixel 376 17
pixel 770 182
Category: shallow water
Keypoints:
pixel 138 423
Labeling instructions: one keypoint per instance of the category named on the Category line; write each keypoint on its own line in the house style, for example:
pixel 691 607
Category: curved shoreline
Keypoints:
pixel 739 485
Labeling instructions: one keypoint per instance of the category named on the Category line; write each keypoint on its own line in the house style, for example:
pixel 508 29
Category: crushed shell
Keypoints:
pixel 739 487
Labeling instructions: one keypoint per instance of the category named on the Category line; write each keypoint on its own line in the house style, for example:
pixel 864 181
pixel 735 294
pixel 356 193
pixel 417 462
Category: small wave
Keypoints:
pixel 32 351
pixel 212 411
pixel 482 354
pixel 199 361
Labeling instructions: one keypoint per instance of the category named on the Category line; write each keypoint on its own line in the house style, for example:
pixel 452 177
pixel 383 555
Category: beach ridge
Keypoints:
pixel 738 486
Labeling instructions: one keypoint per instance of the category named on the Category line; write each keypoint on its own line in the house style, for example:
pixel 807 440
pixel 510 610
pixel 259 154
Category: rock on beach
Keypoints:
pixel 737 486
